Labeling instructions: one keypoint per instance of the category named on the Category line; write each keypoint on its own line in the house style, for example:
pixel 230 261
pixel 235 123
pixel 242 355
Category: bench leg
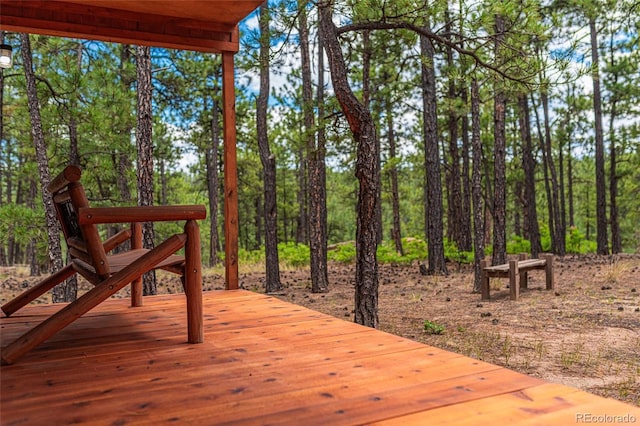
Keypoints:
pixel 484 281
pixel 524 276
pixel 514 288
pixel 549 271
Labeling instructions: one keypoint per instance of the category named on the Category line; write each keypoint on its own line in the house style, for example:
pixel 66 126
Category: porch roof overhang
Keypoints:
pixel 202 25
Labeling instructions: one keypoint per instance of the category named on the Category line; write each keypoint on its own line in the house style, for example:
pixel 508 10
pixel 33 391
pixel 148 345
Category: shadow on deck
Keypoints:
pixel 264 361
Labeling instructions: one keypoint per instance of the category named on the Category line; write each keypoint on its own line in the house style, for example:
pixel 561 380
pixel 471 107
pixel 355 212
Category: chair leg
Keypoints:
pixel 193 283
pixel 38 290
pixel 90 299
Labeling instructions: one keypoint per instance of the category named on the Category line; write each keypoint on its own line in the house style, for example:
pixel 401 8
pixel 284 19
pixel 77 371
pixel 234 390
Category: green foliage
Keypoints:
pixel 545 237
pixel 433 328
pixel 289 254
pixel 250 257
pixel 518 244
pixel 343 252
pixel 577 243
pixel 22 223
pixel 294 255
pixel 452 253
pixel 414 249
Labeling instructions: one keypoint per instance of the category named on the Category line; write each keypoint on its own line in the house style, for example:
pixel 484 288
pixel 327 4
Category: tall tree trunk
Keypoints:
pixel 213 179
pixel 71 288
pixel 570 184
pixel 304 192
pixel 162 172
pixel 367 171
pixel 518 202
pixel 545 168
pixel 145 153
pixel 616 239
pixel 476 185
pixel 528 165
pixel 454 206
pixel 557 231
pixel 53 229
pixel 499 149
pixel 561 192
pixel 315 160
pixel 396 232
pixel 32 252
pixel 258 219
pixel 302 197
pixel 601 201
pixel 120 155
pixel 122 159
pixel 74 157
pixel 569 155
pixel 433 185
pixel 268 161
pixel 3 255
pixel 367 92
pixel 465 242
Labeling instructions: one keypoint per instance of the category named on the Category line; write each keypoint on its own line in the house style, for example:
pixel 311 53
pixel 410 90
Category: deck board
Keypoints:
pixel 264 361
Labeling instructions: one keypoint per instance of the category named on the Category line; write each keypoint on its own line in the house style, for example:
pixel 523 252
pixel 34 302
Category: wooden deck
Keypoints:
pixel 264 361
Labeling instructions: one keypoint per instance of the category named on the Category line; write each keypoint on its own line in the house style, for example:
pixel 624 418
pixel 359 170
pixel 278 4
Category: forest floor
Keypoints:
pixel 585 333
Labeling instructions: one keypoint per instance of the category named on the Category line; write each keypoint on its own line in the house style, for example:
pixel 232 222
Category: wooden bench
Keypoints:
pixel 517 272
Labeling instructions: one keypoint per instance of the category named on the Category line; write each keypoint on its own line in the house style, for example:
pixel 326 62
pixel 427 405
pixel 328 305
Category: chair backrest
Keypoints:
pixel 83 241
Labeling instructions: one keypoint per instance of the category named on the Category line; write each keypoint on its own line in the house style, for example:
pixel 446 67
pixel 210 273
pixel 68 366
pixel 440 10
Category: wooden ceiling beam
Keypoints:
pixel 64 19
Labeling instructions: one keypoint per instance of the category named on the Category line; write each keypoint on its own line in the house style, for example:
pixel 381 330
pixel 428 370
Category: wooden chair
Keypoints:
pixel 110 273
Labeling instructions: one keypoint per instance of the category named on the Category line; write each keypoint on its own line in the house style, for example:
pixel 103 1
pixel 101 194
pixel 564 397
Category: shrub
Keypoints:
pixel 578 244
pixel 343 252
pixel 517 244
pixel 452 253
pixel 414 249
pixel 295 255
pixel 251 256
pixel 433 328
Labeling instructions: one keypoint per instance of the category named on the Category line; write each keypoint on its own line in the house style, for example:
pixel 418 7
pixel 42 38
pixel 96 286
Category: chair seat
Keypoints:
pixel 118 262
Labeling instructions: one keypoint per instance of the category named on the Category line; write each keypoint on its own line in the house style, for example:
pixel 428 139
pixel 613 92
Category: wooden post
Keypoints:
pixel 484 280
pixel 136 285
pixel 193 282
pixel 230 173
pixel 514 288
pixel 549 270
pixel 524 277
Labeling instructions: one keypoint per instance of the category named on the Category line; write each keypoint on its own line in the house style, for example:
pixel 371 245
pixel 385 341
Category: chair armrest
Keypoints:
pixel 116 240
pixel 92 216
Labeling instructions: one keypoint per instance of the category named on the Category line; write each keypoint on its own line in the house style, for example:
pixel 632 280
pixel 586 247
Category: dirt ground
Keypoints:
pixel 585 333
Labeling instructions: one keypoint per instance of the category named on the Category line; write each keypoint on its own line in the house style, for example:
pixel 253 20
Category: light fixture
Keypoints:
pixel 6 58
